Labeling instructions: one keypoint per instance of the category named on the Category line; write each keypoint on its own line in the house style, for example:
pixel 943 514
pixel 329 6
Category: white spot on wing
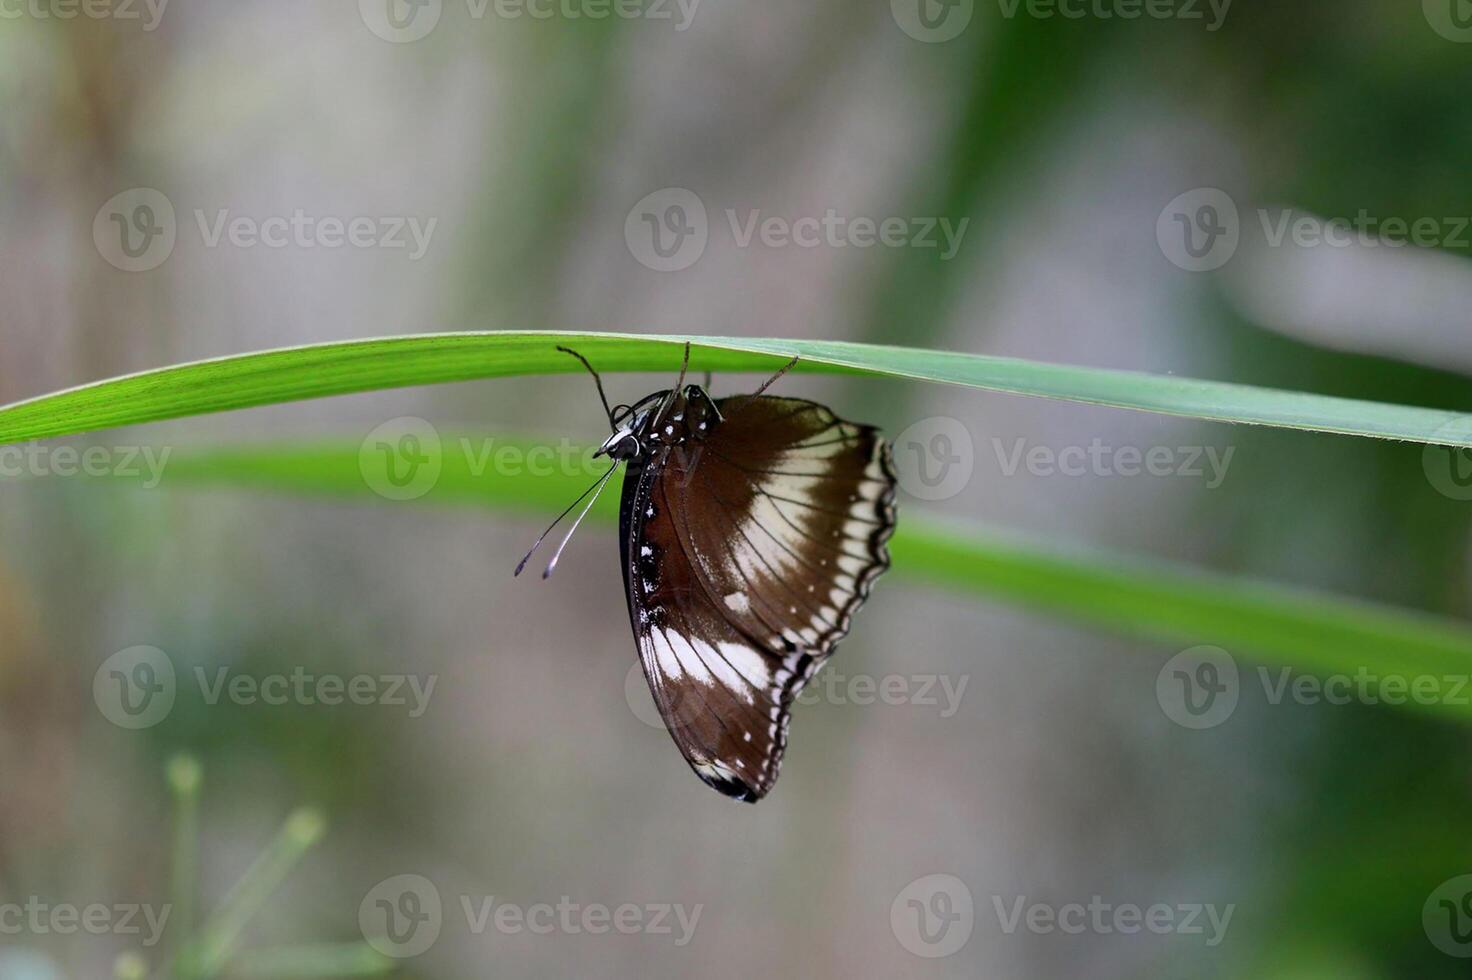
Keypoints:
pixel 748 662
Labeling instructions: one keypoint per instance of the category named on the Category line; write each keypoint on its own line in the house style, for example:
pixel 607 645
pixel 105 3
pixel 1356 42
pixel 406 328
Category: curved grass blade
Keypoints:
pixel 1310 632
pixel 290 374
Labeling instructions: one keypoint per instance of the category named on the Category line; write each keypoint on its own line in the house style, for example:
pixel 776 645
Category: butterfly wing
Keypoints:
pixel 745 557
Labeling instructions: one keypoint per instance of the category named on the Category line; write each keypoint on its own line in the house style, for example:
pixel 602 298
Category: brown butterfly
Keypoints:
pixel 751 528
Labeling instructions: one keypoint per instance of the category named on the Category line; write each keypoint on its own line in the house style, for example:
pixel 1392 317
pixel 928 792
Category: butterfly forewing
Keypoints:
pixel 746 555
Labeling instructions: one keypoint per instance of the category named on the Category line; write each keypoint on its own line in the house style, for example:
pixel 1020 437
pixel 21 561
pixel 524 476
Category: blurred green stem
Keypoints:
pixel 323 960
pixel 221 935
pixel 184 781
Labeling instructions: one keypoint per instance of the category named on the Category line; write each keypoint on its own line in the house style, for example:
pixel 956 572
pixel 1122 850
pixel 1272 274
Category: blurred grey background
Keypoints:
pixel 1066 143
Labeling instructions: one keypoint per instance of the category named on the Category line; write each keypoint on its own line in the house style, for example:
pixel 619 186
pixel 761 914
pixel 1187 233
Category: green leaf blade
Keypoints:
pixel 1309 632
pixel 318 371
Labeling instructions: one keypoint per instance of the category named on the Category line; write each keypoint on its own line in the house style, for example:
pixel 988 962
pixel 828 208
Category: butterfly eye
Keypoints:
pixel 626 448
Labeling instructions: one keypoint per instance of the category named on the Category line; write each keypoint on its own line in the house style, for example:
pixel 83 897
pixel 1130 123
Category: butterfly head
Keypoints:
pixel 665 418
pixel 630 425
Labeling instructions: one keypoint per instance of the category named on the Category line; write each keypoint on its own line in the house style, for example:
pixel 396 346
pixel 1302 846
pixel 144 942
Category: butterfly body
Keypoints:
pixel 751 529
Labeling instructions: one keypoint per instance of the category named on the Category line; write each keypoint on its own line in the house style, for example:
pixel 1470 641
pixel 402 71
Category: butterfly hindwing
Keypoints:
pixel 746 555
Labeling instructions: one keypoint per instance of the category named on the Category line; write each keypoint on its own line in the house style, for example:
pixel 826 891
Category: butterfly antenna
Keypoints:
pixel 679 383
pixel 767 384
pixel 557 556
pixel 778 376
pixel 684 368
pixel 597 381
pixel 583 496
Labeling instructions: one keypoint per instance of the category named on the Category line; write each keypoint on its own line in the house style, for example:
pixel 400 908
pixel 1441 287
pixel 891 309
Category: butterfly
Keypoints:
pixel 751 530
